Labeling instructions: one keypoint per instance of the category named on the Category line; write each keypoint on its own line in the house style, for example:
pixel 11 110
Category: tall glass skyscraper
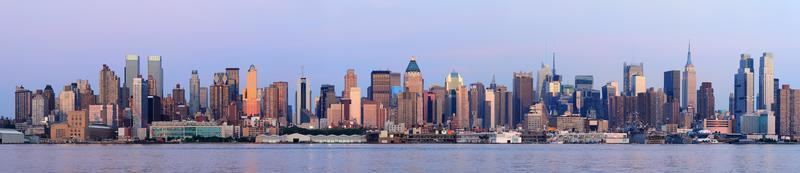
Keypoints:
pixel 155 70
pixel 194 93
pixel 131 69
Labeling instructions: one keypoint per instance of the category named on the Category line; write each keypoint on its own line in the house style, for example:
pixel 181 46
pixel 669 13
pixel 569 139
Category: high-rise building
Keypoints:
pixel 453 81
pixel 276 105
pixel 766 77
pixel 155 70
pixel 327 96
pixel 536 119
pixel 705 101
pixel 438 109
pixel 203 99
pixel 413 81
pixel 38 109
pixel 179 95
pixel 154 110
pixel 584 83
pixel 131 69
pixel 743 92
pixel 672 85
pixel 785 111
pixel 490 110
pixel 68 99
pixel 252 107
pixel 109 86
pixel 462 108
pixel 374 115
pixel 350 81
pixel 689 94
pixel 220 95
pixel 22 105
pixel 86 95
pixel 639 85
pixel 505 109
pixel 381 87
pixel 303 98
pixel 355 105
pixel 49 98
pixel 631 71
pixel 409 109
pixel 233 81
pixel 477 105
pixel 542 82
pixel 194 93
pixel 523 95
pixel 139 103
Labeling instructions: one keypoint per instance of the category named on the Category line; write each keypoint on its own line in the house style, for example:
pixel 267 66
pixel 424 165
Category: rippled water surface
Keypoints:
pixel 399 158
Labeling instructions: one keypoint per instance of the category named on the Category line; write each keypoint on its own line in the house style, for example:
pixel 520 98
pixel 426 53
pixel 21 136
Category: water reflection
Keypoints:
pixel 399 158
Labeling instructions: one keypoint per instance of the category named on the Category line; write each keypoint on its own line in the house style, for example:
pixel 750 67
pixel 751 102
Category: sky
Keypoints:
pixel 58 41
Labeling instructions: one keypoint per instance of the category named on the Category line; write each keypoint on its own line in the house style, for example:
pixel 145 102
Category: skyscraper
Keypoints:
pixel 38 109
pixel 276 103
pixel 743 92
pixel 233 82
pixel 414 89
pixel 68 99
pixel 490 112
pixel 413 78
pixel 22 105
pixel 523 95
pixel 355 105
pixel 220 95
pixel 542 82
pixel 505 108
pixel 252 107
pixel 131 69
pixel 462 108
pixel 672 85
pixel 139 103
pixel 381 87
pixel 179 94
pixel 639 85
pixel 109 87
pixel 409 109
pixel 584 82
pixel 631 71
pixel 766 77
pixel 439 108
pixel 453 81
pixel 155 70
pixel 302 106
pixel 689 94
pixel 350 81
pixel 203 99
pixel 705 101
pixel 785 114
pixel 194 93
pixel 327 96
pixel 49 98
pixel 477 104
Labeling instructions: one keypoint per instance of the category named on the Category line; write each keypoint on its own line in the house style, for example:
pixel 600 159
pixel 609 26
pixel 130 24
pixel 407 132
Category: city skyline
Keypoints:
pixel 517 40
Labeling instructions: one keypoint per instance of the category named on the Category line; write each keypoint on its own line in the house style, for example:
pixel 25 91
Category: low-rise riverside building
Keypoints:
pixel 300 138
pixel 190 129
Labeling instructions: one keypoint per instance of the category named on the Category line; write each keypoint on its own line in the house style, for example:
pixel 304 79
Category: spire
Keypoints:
pixel 493 79
pixel 302 71
pixel 554 63
pixel 689 55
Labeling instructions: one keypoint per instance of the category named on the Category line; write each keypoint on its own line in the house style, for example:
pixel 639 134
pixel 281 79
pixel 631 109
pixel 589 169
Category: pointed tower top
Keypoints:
pixel 554 63
pixel 412 65
pixel 689 55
